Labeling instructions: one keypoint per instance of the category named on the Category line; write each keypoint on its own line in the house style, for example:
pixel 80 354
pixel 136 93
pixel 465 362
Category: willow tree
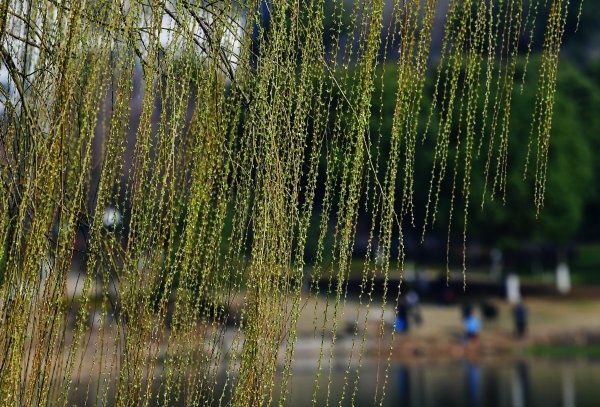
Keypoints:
pixel 176 154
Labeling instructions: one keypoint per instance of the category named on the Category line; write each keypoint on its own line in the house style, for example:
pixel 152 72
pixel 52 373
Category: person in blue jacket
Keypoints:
pixel 471 323
pixel 401 323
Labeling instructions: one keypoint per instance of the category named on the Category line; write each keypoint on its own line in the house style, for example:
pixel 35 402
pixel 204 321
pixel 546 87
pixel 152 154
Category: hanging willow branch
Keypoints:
pixel 166 164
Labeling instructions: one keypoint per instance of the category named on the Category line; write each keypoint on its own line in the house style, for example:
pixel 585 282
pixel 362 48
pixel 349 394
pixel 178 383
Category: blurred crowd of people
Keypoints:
pixel 409 314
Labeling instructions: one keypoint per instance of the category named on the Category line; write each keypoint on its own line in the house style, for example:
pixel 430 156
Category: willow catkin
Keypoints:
pixel 177 160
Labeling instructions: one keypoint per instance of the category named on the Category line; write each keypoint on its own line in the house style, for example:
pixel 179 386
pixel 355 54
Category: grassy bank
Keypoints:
pixel 564 351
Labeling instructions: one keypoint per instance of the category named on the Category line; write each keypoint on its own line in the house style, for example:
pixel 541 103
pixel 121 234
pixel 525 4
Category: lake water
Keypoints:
pixel 514 383
pixel 527 382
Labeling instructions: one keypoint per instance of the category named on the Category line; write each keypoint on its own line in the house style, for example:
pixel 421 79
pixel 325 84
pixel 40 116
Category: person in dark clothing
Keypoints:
pixel 414 311
pixel 520 318
pixel 401 323
pixel 489 311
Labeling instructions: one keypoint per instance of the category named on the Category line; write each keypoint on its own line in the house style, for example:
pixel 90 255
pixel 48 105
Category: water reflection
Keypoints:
pixel 517 384
pixel 520 386
pixel 473 376
pixel 568 387
pixel 520 383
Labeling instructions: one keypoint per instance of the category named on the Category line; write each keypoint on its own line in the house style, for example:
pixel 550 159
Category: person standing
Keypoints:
pixel 401 323
pixel 471 322
pixel 520 319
